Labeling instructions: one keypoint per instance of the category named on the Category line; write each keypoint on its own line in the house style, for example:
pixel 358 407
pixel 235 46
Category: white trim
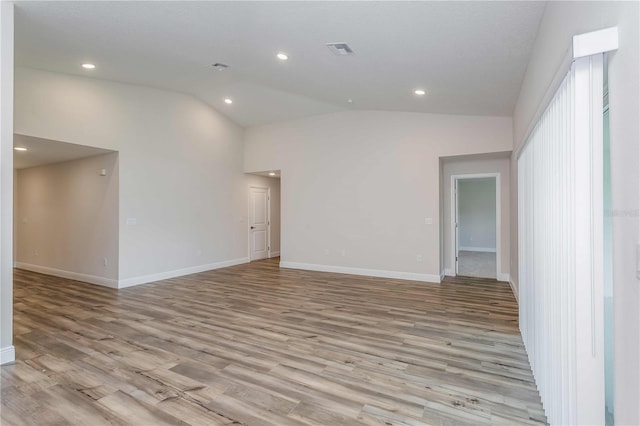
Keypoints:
pixel 442 275
pixel 361 271
pixel 514 290
pixel 7 355
pixel 129 282
pixel 274 253
pixel 503 277
pixel 479 249
pixel 455 218
pixel 453 215
pixel 268 222
pixel 450 272
pixel 91 279
pixel 595 42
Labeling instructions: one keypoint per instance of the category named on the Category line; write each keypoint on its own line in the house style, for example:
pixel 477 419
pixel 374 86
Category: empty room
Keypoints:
pixel 319 213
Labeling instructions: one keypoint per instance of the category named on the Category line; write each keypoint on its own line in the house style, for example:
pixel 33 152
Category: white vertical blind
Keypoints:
pixel 560 248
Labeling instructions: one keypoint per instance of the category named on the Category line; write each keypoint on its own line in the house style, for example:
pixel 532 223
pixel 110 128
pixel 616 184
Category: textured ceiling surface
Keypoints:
pixel 469 56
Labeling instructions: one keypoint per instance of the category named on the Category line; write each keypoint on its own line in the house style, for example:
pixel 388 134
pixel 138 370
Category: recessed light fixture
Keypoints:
pixel 228 101
pixel 88 66
pixel 350 101
pixel 18 148
pixel 282 56
pixel 272 173
pixel 419 92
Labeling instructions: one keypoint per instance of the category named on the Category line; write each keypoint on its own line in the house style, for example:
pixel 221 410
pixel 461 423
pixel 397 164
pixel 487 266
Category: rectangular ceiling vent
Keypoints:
pixel 220 66
pixel 340 49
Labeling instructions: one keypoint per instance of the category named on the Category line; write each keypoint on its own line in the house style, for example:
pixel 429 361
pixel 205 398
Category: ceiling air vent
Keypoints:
pixel 219 66
pixel 340 49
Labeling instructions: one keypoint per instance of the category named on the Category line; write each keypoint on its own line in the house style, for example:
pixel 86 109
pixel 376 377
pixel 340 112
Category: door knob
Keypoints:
pixel 253 227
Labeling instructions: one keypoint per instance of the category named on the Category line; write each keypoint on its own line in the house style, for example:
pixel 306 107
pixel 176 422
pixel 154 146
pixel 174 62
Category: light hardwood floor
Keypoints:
pixel 258 345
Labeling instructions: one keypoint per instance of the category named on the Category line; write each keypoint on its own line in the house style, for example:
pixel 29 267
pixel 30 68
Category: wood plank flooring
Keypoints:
pixel 258 345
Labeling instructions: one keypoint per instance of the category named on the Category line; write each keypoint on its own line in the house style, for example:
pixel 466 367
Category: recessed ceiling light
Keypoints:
pixel 419 92
pixel 228 101
pixel 88 66
pixel 282 56
pixel 20 148
pixel 272 173
pixel 350 100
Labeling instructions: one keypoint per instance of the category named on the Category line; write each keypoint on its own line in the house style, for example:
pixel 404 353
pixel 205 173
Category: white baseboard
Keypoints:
pixel 92 279
pixel 275 253
pixel 503 277
pixel 361 271
pixel 7 355
pixel 481 249
pixel 129 282
pixel 514 290
pixel 450 272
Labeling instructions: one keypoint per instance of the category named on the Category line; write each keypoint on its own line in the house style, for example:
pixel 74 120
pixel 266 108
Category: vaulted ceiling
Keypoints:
pixel 470 57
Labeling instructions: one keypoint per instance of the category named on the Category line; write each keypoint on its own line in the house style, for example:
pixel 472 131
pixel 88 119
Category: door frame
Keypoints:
pixel 454 216
pixel 268 221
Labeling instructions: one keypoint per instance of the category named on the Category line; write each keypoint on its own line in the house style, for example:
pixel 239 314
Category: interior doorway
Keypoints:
pixel 476 225
pixel 263 215
pixel 259 223
pixel 66 220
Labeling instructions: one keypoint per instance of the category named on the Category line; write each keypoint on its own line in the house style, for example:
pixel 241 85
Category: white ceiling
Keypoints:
pixel 469 56
pixel 45 151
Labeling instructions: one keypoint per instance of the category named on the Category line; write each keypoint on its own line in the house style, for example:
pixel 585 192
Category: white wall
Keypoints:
pixel 561 21
pixel 7 352
pixel 486 164
pixel 67 219
pixel 180 166
pixel 477 214
pixel 274 186
pixel 357 186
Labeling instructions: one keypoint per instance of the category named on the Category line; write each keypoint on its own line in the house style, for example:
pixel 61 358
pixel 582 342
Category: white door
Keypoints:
pixel 258 223
pixel 456 227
